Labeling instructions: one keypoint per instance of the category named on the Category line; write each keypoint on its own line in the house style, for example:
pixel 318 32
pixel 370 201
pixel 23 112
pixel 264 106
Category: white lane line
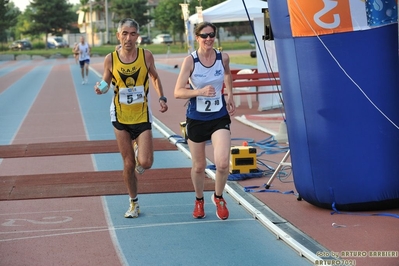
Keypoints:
pixel 123 227
pixel 24 213
pixel 112 233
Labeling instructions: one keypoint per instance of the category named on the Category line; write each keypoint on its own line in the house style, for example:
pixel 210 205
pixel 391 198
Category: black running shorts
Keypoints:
pixel 200 131
pixel 134 130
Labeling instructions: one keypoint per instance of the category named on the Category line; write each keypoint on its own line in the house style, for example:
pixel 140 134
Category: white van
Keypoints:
pixel 58 42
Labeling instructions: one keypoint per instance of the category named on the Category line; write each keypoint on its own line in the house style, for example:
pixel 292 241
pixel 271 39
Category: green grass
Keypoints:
pixel 154 48
pixel 243 60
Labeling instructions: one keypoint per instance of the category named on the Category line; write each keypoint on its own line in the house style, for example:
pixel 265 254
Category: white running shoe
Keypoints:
pixel 139 169
pixel 86 80
pixel 83 82
pixel 133 211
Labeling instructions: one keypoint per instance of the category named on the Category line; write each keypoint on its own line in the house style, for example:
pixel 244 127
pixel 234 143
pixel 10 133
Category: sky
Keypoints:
pixel 21 4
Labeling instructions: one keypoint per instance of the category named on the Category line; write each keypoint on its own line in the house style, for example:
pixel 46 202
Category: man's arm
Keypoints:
pixel 156 81
pixel 107 75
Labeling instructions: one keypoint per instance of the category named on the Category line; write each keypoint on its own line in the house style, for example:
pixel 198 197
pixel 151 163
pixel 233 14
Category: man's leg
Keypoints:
pixel 125 147
pixel 145 149
pixel 82 71
pixel 87 71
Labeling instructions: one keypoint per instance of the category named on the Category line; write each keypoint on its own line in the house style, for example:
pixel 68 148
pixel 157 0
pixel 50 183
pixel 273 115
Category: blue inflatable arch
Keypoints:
pixel 341 99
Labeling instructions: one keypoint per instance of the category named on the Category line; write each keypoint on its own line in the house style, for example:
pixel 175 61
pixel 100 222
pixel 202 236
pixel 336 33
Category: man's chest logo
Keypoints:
pixel 129 76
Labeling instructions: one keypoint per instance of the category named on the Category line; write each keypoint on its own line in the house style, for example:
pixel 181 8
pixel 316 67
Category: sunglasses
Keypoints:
pixel 206 35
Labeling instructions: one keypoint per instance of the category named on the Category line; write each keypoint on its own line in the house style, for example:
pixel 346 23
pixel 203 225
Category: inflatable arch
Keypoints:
pixel 339 69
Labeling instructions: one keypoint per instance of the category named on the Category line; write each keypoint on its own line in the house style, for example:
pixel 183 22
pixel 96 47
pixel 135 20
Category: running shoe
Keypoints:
pixel 139 169
pixel 86 80
pixel 199 212
pixel 83 82
pixel 133 211
pixel 221 209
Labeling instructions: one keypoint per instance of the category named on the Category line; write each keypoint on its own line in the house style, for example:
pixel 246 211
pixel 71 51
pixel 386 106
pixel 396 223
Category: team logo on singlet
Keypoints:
pixel 128 71
pixel 130 82
pixel 128 77
pixel 218 73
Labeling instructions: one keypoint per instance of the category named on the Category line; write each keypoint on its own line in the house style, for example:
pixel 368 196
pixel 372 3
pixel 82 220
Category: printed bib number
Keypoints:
pixel 209 104
pixel 130 96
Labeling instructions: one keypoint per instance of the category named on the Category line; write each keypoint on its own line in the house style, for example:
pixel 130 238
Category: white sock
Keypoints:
pixel 133 199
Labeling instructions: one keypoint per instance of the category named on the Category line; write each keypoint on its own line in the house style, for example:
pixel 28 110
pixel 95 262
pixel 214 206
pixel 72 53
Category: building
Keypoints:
pixel 95 20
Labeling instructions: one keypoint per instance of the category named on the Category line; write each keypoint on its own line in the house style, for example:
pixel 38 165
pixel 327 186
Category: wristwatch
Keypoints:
pixel 163 98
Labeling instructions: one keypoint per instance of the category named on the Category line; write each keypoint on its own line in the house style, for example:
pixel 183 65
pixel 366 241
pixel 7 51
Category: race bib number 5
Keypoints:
pixel 130 96
pixel 209 104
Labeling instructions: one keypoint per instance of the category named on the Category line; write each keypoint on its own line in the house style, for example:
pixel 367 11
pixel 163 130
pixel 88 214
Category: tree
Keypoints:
pixel 209 3
pixel 8 17
pixel 50 16
pixel 167 19
pixel 135 9
pixel 23 24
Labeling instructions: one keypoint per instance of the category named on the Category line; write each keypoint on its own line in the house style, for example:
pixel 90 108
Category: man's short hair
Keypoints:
pixel 128 22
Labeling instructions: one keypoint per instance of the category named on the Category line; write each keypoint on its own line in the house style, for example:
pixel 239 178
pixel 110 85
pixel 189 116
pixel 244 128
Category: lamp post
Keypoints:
pixel 186 15
pixel 199 12
pixel 148 13
pixel 148 29
pixel 106 22
pixel 91 24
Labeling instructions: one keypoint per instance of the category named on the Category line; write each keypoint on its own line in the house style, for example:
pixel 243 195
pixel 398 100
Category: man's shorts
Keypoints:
pixel 83 62
pixel 200 131
pixel 134 130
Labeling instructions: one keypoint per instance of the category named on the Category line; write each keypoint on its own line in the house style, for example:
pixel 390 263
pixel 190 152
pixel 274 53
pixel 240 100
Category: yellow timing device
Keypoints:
pixel 243 160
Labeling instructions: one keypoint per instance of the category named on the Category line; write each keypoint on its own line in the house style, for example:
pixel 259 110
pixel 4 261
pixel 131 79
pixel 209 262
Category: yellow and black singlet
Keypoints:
pixel 130 103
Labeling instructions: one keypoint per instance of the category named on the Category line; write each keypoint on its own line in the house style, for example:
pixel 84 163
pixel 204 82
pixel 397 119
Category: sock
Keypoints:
pixel 218 197
pixel 134 199
pixel 199 198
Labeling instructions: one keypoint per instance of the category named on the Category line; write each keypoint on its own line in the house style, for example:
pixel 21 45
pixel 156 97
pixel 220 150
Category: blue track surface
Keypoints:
pixel 166 234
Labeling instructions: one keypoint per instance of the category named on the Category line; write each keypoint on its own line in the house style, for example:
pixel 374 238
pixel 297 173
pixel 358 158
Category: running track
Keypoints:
pixel 42 101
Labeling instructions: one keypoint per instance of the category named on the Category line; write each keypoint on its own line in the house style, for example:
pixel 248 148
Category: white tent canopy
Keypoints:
pixel 232 10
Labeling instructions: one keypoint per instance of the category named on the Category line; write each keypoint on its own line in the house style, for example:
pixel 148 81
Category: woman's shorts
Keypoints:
pixel 200 131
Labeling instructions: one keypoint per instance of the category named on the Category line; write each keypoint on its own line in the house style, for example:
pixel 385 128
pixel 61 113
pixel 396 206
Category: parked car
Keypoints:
pixel 58 42
pixel 162 38
pixel 50 45
pixel 21 45
pixel 143 39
